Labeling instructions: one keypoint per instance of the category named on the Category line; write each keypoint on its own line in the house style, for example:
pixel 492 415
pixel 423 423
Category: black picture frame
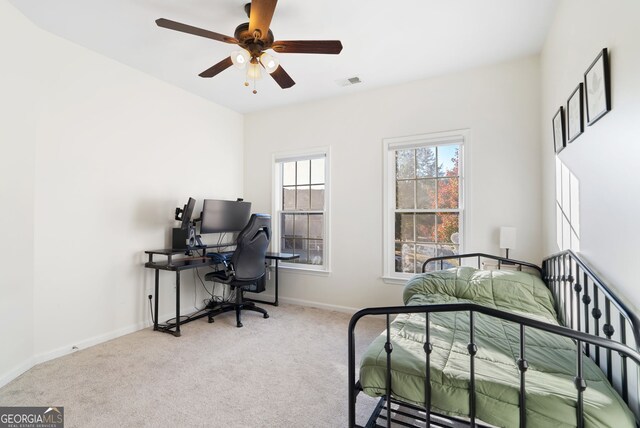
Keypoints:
pixel 557 124
pixel 575 114
pixel 597 88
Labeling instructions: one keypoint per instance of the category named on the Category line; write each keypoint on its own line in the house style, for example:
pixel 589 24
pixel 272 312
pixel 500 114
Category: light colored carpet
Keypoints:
pixel 286 371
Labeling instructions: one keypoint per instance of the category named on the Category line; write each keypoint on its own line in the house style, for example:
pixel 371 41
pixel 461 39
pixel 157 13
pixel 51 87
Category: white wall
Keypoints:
pixel 98 156
pixel 18 87
pixel 500 104
pixel 605 158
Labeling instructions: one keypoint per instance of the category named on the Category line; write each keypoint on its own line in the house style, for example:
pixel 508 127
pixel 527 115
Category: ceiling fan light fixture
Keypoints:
pixel 240 58
pixel 253 72
pixel 252 38
pixel 269 62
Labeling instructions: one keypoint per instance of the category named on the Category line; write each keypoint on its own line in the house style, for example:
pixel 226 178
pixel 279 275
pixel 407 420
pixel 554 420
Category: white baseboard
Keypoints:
pixel 16 371
pixel 12 374
pixel 309 303
pixel 84 344
pixel 92 341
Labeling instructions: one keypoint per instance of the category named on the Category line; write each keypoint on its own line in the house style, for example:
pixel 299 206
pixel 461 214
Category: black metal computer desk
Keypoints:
pixel 182 264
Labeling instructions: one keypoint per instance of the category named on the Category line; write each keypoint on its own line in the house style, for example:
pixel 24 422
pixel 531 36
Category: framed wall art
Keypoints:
pixel 575 116
pixel 558 131
pixel 597 88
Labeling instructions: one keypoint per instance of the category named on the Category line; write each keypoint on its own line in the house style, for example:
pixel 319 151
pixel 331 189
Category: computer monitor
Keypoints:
pixel 224 216
pixel 184 215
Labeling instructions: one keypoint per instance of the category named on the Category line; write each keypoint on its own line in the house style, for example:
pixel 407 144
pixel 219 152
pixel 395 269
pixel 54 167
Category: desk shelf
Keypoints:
pixel 181 264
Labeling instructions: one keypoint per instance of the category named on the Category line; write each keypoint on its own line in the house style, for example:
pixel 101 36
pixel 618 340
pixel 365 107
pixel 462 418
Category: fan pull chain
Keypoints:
pixel 250 77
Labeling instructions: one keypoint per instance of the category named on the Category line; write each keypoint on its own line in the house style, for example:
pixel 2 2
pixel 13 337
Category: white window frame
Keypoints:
pixel 297 155
pixel 390 145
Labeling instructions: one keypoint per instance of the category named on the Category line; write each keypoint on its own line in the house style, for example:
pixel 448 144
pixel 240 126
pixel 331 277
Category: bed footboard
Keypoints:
pixel 586 303
pixel 598 321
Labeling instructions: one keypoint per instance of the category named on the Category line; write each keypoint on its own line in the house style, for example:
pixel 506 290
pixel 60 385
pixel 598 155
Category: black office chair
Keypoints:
pixel 246 268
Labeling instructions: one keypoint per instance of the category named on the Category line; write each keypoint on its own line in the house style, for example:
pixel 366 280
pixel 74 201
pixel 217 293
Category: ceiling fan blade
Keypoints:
pixel 177 26
pixel 282 78
pixel 260 16
pixel 221 66
pixel 332 47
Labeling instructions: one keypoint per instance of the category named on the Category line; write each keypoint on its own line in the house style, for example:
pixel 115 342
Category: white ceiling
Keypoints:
pixel 385 42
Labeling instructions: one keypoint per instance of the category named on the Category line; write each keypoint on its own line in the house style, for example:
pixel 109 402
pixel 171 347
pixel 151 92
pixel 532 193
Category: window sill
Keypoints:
pixel 394 280
pixel 303 270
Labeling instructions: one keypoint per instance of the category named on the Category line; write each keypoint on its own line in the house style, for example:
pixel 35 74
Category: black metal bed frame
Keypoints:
pixel 573 284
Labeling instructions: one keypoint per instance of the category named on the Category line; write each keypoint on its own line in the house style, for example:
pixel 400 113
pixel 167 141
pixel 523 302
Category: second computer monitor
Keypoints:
pixel 224 216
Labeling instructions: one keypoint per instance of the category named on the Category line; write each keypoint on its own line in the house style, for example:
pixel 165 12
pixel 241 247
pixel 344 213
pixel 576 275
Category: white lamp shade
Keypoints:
pixel 253 72
pixel 508 237
pixel 240 58
pixel 269 62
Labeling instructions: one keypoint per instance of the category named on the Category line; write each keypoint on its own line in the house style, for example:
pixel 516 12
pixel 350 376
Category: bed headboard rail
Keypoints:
pixel 476 260
pixel 586 303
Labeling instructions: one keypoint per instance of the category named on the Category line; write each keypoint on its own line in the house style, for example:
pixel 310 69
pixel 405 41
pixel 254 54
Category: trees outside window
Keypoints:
pixel 424 196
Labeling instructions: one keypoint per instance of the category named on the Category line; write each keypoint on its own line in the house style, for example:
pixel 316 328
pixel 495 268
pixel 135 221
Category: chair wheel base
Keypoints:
pixel 266 316
pixel 239 324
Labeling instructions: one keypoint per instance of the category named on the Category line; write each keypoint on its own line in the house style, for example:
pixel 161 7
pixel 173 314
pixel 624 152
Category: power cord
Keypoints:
pixel 221 237
pixel 197 272
pixel 186 318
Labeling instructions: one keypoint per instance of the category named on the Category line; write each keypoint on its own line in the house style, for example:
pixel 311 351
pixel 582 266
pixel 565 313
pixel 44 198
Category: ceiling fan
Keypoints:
pixel 254 38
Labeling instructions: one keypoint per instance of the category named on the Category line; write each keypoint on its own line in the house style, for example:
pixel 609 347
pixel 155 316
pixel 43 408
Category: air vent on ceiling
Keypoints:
pixel 349 81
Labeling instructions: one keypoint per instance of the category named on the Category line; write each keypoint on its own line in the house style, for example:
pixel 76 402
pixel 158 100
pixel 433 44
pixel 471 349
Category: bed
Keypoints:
pixel 504 348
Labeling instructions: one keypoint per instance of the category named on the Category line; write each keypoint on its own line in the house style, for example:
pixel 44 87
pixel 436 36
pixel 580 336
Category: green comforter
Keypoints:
pixel 551 394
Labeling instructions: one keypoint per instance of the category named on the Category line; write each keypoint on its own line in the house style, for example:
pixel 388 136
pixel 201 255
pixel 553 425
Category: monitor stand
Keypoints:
pixel 193 240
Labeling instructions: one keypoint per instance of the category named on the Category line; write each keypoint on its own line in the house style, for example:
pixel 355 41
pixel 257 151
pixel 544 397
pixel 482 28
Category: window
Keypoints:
pixel 423 214
pixel 567 208
pixel 301 207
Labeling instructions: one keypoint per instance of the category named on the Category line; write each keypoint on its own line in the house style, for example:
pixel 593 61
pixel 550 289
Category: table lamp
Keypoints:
pixel 507 238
